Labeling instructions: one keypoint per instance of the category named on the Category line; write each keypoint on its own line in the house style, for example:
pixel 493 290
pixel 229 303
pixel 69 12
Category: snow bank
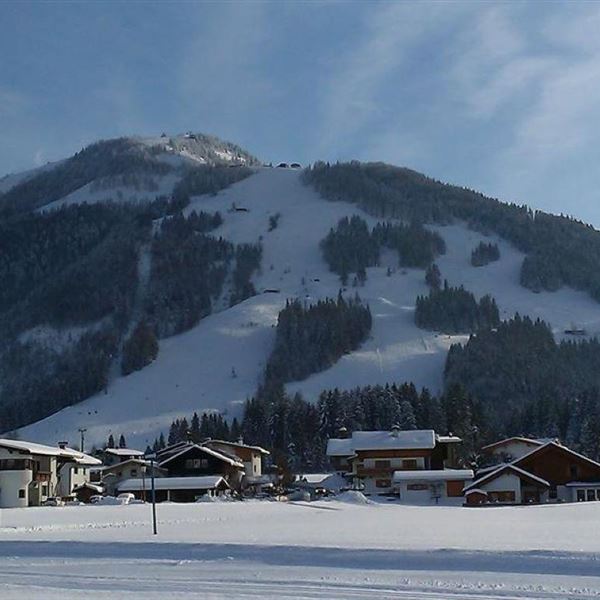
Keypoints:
pixel 353 497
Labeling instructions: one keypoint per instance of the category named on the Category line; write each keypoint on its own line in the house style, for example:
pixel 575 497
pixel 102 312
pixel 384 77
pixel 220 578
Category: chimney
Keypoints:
pixel 343 433
pixel 240 441
pixel 395 430
pixel 63 445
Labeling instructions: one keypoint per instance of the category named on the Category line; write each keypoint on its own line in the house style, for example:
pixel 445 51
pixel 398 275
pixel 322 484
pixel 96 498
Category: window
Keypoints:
pixel 75 470
pixel 580 495
pixel 417 486
pixel 382 464
pixel 502 496
pixel 21 493
pixel 410 464
pixel 196 463
pixel 44 490
pixel 134 472
pixel 591 495
pixel 553 495
pixel 383 483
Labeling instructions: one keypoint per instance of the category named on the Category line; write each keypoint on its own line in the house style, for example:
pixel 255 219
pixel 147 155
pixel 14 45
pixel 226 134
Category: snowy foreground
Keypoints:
pixel 297 550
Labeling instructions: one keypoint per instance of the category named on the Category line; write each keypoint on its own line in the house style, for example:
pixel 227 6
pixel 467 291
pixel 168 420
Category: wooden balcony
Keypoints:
pixel 42 476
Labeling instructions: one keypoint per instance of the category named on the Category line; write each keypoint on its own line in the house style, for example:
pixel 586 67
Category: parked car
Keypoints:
pixel 296 166
pixel 52 501
pixel 126 497
pixel 282 166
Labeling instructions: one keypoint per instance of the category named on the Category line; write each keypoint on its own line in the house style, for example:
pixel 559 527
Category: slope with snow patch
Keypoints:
pixel 193 371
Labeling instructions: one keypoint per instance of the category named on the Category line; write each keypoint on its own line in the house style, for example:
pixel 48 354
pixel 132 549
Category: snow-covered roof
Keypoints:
pixel 91 486
pixel 512 440
pixel 592 484
pixel 43 450
pixel 123 452
pixel 339 447
pixel 237 445
pixel 476 491
pixel 393 440
pixel 325 480
pixel 414 439
pixel 448 439
pixel 206 482
pixel 130 461
pixel 210 451
pixel 433 475
pixel 506 467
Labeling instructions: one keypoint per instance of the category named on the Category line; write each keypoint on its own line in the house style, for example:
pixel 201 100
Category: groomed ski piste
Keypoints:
pixel 193 371
pixel 325 549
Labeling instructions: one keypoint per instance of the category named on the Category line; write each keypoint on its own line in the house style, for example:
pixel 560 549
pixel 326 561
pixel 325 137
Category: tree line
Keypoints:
pixel 455 310
pixel 559 250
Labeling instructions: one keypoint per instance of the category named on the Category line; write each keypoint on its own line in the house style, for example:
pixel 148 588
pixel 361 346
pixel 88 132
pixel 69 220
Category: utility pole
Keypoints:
pixel 82 431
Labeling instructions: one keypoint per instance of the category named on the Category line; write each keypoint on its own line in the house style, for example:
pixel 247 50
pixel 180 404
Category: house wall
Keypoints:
pixel 10 484
pixel 512 450
pixel 71 475
pixel 504 483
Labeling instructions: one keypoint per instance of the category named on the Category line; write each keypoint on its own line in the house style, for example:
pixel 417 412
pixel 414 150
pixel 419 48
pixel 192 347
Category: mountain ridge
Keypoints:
pixel 276 209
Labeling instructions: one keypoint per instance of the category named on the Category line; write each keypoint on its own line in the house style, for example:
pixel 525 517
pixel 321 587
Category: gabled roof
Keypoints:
pixel 559 447
pixel 205 482
pixel 504 442
pixel 123 452
pixel 42 450
pixel 500 470
pixel 396 439
pixel 237 445
pixel 339 447
pixel 393 440
pixel 218 455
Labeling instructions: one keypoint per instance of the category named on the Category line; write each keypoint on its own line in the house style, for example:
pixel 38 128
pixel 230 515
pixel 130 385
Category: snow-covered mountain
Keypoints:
pixel 218 363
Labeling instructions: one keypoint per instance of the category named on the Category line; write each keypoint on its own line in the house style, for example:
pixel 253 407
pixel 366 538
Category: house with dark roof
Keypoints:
pixel 550 472
pixel 414 465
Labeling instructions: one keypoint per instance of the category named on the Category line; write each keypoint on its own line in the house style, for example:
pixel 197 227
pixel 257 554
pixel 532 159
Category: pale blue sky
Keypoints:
pixel 503 97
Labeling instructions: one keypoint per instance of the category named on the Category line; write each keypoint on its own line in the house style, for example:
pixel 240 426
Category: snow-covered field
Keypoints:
pixel 193 370
pixel 297 550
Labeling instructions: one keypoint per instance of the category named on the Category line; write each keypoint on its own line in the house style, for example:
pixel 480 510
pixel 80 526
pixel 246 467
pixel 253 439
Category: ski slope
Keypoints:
pixel 326 549
pixel 193 371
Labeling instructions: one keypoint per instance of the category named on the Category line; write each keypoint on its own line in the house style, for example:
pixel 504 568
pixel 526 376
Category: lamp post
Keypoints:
pixel 82 431
pixel 153 496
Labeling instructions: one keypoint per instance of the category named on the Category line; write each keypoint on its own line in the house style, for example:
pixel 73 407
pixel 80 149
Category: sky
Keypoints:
pixel 503 97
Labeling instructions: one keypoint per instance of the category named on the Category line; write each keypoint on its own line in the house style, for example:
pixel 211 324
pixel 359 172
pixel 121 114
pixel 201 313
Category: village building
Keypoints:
pixel 31 473
pixel 112 476
pixel 113 456
pixel 177 489
pixel 550 472
pixel 252 458
pixel 414 466
pixel 509 449
pixel 183 472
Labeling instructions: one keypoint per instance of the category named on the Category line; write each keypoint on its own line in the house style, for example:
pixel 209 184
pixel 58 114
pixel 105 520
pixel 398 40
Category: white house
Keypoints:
pixel 414 465
pixel 30 473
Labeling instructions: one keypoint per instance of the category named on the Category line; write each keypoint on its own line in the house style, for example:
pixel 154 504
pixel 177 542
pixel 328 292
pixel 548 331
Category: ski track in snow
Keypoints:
pixel 193 369
pixel 277 550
